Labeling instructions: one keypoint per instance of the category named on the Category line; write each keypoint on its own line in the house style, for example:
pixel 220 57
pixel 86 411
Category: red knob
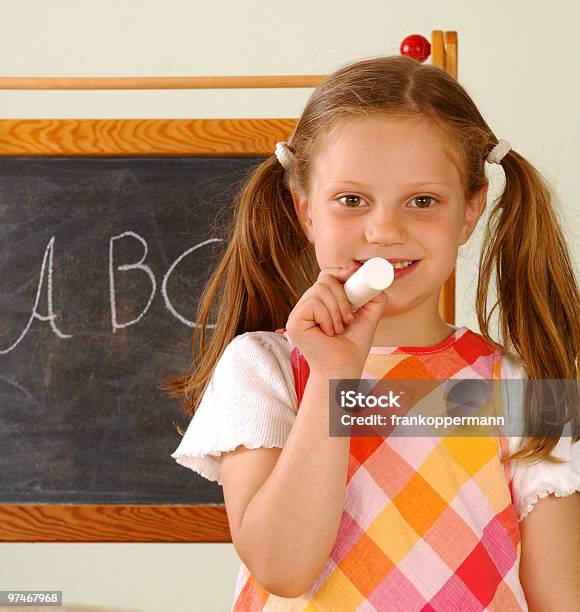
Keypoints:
pixel 416 46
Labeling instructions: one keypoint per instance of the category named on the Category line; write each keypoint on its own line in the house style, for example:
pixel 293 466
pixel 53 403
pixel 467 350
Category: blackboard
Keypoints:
pixel 102 261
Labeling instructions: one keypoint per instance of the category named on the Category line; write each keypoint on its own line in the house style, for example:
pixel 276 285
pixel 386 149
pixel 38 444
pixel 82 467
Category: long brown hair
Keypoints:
pixel 269 261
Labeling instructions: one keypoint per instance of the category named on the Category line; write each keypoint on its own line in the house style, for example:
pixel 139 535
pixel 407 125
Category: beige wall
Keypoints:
pixel 518 59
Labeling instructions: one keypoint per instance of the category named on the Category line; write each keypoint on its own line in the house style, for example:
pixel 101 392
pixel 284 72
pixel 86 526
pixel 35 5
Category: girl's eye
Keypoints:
pixel 349 195
pixel 423 197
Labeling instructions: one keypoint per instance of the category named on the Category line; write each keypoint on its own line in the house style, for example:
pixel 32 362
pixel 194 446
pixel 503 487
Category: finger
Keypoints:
pixel 331 297
pixel 340 273
pixel 340 306
pixel 322 316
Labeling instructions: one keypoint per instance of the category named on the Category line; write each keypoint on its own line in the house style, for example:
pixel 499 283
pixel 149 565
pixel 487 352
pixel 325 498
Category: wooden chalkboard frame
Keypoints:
pixel 153 137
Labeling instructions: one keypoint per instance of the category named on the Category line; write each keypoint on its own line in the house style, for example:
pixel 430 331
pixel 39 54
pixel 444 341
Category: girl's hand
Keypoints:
pixel 318 324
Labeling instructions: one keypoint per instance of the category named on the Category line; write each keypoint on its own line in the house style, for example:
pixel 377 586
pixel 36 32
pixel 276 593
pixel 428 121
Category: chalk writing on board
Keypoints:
pixel 46 271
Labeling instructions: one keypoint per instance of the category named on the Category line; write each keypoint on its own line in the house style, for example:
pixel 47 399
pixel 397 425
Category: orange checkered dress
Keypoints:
pixel 429 522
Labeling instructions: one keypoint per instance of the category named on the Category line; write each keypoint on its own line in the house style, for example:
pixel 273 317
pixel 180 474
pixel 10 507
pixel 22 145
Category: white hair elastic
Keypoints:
pixel 283 153
pixel 499 151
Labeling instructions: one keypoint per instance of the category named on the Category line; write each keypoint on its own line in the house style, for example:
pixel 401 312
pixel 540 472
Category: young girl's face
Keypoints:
pixel 385 188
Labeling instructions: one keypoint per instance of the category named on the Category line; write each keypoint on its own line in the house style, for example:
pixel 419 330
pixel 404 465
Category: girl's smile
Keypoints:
pixel 400 266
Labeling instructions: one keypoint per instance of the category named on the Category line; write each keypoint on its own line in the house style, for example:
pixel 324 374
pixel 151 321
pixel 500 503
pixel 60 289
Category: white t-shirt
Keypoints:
pixel 261 414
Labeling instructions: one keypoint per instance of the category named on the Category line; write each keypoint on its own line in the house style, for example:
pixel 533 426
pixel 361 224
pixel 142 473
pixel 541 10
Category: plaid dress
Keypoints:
pixel 428 522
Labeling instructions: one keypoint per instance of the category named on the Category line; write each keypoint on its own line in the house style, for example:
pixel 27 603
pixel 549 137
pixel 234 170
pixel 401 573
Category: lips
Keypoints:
pixel 393 260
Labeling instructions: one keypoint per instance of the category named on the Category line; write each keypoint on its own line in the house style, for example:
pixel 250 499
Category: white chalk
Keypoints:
pixel 374 276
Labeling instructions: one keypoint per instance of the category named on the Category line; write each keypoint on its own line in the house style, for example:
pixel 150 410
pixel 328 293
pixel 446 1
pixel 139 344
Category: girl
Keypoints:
pixel 387 160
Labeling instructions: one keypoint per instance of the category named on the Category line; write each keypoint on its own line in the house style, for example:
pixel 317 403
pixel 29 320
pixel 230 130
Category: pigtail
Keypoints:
pixel 538 303
pixel 257 282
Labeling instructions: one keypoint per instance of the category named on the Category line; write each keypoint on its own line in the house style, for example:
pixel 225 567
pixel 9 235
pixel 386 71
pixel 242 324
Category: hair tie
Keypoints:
pixel 499 151
pixel 283 153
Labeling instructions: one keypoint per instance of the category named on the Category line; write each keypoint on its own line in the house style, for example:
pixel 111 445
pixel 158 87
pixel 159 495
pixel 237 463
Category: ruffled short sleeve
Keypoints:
pixel 532 481
pixel 250 400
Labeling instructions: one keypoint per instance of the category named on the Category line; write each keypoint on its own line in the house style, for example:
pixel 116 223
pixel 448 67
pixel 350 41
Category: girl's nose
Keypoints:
pixel 385 226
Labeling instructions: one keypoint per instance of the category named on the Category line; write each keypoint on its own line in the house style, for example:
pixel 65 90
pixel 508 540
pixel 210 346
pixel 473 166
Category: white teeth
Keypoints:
pixel 398 265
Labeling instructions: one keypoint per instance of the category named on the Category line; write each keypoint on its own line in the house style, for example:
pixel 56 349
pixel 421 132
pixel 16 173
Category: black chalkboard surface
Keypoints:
pixel 102 260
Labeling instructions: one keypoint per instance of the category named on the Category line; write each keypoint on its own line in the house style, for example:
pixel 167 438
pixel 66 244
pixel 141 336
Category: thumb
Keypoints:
pixel 374 308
